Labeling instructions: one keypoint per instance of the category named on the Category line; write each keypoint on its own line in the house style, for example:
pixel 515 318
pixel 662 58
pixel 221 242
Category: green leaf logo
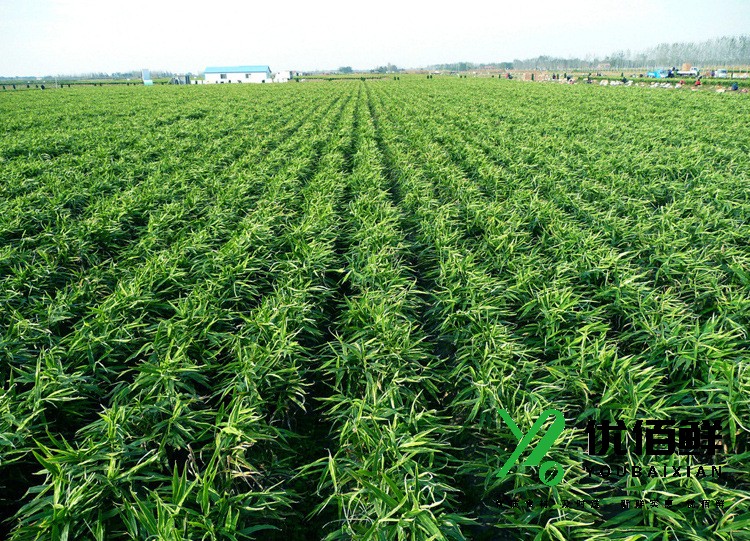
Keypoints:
pixel 545 475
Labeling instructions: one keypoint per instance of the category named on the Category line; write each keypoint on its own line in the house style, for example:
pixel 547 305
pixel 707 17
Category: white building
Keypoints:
pixel 283 76
pixel 237 74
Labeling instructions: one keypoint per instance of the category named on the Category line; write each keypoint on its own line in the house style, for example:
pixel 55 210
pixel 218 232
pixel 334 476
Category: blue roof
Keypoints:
pixel 238 69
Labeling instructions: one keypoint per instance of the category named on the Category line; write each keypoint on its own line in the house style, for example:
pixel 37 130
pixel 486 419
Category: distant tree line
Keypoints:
pixel 723 51
pixel 348 70
pixel 726 51
pixel 469 66
pixel 389 68
pixel 95 76
pixel 135 74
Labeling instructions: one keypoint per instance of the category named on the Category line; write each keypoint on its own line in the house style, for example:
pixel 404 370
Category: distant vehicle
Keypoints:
pixel 692 72
pixel 721 74
pixel 658 74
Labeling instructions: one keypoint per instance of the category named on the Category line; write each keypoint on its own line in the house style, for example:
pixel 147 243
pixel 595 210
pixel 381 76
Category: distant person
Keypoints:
pixel 42 87
pixel 698 82
pixel 735 87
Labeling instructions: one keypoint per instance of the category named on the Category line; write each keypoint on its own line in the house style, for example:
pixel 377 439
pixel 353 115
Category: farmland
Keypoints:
pixel 295 311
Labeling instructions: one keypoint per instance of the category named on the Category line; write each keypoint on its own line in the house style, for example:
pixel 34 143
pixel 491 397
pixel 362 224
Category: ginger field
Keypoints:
pixel 306 311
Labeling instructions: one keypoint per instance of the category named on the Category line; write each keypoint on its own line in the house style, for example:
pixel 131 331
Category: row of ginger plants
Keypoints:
pixel 161 413
pixel 529 308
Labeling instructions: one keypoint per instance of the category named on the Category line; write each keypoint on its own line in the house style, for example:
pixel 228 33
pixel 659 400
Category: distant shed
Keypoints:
pixel 238 74
pixel 283 76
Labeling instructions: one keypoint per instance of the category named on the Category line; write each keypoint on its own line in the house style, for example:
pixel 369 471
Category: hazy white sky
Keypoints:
pixel 41 37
